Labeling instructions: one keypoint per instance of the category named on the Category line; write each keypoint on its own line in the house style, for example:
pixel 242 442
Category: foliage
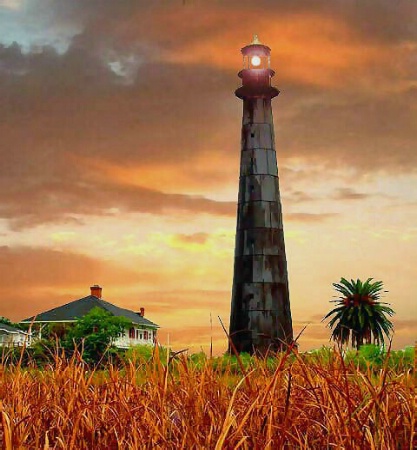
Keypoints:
pixel 144 353
pixel 7 321
pixel 317 400
pixel 40 353
pixel 373 357
pixel 359 315
pixel 53 331
pixel 94 333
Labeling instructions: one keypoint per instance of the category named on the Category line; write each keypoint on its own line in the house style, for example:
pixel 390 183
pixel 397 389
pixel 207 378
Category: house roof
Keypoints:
pixel 79 308
pixel 10 329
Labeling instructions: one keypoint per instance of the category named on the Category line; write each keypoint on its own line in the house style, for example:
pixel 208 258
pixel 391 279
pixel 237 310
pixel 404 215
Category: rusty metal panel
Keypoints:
pixel 250 188
pixel 276 215
pixel 269 188
pixel 259 241
pixel 258 187
pixel 272 162
pixel 246 162
pixel 254 162
pixel 252 293
pixel 260 162
pixel 254 215
pixel 261 311
pixel 257 110
pixel 257 135
pixel 260 269
pixel 263 325
pixel 259 296
pixel 248 269
pixel 274 268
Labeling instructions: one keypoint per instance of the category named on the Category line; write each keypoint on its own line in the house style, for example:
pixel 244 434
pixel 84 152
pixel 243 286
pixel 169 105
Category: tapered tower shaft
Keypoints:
pixel 260 311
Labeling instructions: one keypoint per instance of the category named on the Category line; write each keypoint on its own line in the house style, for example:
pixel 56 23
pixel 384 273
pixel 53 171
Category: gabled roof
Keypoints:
pixel 79 308
pixel 10 329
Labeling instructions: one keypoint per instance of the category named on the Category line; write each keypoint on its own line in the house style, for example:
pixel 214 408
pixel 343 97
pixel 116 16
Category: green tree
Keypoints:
pixel 5 320
pixel 94 333
pixel 359 315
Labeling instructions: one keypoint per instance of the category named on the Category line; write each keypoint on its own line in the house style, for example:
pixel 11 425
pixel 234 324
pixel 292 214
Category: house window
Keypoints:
pixel 132 333
pixel 141 336
pixel 137 334
pixel 146 335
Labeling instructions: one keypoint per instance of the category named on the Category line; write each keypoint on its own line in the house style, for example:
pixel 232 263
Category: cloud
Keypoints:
pixel 372 135
pixel 195 238
pixel 42 267
pixel 130 118
pixel 299 197
pixel 66 201
pixel 308 217
pixel 79 114
pixel 405 325
pixel 349 194
pixel 36 278
pixel 167 302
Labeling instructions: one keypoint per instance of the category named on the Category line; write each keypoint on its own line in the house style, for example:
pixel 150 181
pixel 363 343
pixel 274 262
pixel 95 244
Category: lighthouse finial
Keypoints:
pixel 255 40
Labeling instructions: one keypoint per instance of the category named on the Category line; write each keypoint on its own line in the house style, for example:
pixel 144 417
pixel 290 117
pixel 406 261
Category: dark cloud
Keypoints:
pixel 143 83
pixel 65 203
pixel 349 194
pixel 383 21
pixel 369 134
pixel 63 110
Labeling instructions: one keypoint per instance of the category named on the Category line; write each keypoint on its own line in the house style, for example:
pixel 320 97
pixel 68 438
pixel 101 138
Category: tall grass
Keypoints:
pixel 296 402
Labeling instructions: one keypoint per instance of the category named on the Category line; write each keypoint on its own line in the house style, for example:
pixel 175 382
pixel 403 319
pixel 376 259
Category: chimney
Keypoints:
pixel 141 312
pixel 96 290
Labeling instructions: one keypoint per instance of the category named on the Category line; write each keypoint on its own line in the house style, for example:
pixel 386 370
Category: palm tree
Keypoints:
pixel 359 315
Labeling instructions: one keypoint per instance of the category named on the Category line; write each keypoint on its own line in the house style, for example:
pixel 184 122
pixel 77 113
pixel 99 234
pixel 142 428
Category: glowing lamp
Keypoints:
pixel 255 61
pixel 256 73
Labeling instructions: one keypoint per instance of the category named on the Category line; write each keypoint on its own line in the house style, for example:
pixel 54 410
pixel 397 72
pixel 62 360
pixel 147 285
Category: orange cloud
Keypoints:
pixel 309 46
pixel 34 279
pixel 308 217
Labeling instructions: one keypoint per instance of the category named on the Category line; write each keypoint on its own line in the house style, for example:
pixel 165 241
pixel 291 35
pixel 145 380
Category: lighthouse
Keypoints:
pixel 260 318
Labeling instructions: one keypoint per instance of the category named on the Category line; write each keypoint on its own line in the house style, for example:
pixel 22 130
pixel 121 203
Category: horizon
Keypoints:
pixel 120 147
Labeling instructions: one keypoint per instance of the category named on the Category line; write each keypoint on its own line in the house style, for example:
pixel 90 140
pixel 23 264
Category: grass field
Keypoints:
pixel 292 401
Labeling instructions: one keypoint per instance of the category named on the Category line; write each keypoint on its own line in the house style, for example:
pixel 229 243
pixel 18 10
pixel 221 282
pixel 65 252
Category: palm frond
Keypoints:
pixel 359 315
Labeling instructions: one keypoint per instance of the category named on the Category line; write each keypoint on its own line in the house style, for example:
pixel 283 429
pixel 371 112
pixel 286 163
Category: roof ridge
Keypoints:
pixel 57 307
pixel 78 308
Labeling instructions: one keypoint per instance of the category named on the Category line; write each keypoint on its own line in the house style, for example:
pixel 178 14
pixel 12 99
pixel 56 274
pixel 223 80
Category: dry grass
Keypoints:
pixel 299 402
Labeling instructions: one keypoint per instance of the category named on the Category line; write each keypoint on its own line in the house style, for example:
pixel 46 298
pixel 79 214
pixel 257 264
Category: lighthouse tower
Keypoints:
pixel 260 317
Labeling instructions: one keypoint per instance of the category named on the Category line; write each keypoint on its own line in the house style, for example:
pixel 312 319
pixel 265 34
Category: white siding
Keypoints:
pixel 135 336
pixel 14 339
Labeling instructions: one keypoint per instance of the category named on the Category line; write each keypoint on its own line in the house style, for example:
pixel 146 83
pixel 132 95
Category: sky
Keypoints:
pixel 120 141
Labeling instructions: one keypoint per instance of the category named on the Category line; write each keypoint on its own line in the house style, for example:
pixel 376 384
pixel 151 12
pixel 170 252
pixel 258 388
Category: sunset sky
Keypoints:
pixel 120 141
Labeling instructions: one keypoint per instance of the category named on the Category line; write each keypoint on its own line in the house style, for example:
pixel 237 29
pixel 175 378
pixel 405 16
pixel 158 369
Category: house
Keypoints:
pixel 13 337
pixel 141 331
